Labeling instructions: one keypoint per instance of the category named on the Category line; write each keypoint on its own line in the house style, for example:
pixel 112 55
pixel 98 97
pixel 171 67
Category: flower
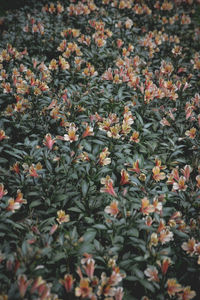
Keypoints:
pixel 173 287
pixel 62 217
pixel 165 236
pixel 157 175
pixel 135 137
pixel 103 157
pixel 189 246
pixel 88 131
pixel 165 265
pixel 135 167
pixel 2 191
pixel 191 133
pixel 108 182
pixel 13 205
pixel 186 294
pixel 19 198
pixel 119 293
pixel 15 168
pixel 180 185
pixel 152 273
pixel 67 282
pixel 71 136
pixel 112 209
pixel 84 290
pixel 23 284
pixel 154 239
pixel 48 141
pixel 2 135
pixel 124 177
pixel 146 208
pixel 186 172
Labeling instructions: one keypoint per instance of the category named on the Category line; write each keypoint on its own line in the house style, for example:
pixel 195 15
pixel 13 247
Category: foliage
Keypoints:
pixel 99 150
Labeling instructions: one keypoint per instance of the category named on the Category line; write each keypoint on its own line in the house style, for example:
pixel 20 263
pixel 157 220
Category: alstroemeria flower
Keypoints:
pixel 62 217
pixel 152 274
pixel 135 167
pixel 191 133
pixel 157 175
pixel 2 191
pixel 108 182
pixel 124 177
pixel 48 141
pixel 67 282
pixel 180 185
pixel 71 136
pixel 135 137
pixel 2 135
pixel 146 207
pixel 173 287
pixel 112 209
pixel 83 290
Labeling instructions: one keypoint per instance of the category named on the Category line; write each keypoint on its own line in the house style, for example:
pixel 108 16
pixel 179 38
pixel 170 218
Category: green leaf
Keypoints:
pixel 84 188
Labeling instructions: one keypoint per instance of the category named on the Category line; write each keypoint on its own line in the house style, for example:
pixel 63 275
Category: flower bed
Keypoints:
pixel 99 150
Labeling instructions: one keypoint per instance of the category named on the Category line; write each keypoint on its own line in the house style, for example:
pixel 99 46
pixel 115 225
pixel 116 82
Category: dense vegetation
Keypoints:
pixel 99 150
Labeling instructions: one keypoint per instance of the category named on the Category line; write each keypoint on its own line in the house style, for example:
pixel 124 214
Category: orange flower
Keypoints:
pixel 191 133
pixel 159 164
pixel 173 287
pixel 108 182
pixel 33 170
pixel 134 137
pixel 152 273
pixel 88 131
pixel 62 217
pixel 124 177
pixel 146 207
pixel 13 205
pixel 112 209
pixel 84 290
pixel 15 168
pixel 189 247
pixel 19 198
pixel 67 282
pixel 180 185
pixel 157 175
pixel 2 135
pixel 165 265
pixel 187 294
pixel 2 191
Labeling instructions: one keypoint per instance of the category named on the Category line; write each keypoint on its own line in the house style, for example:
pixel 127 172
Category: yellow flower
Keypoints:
pixel 62 217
